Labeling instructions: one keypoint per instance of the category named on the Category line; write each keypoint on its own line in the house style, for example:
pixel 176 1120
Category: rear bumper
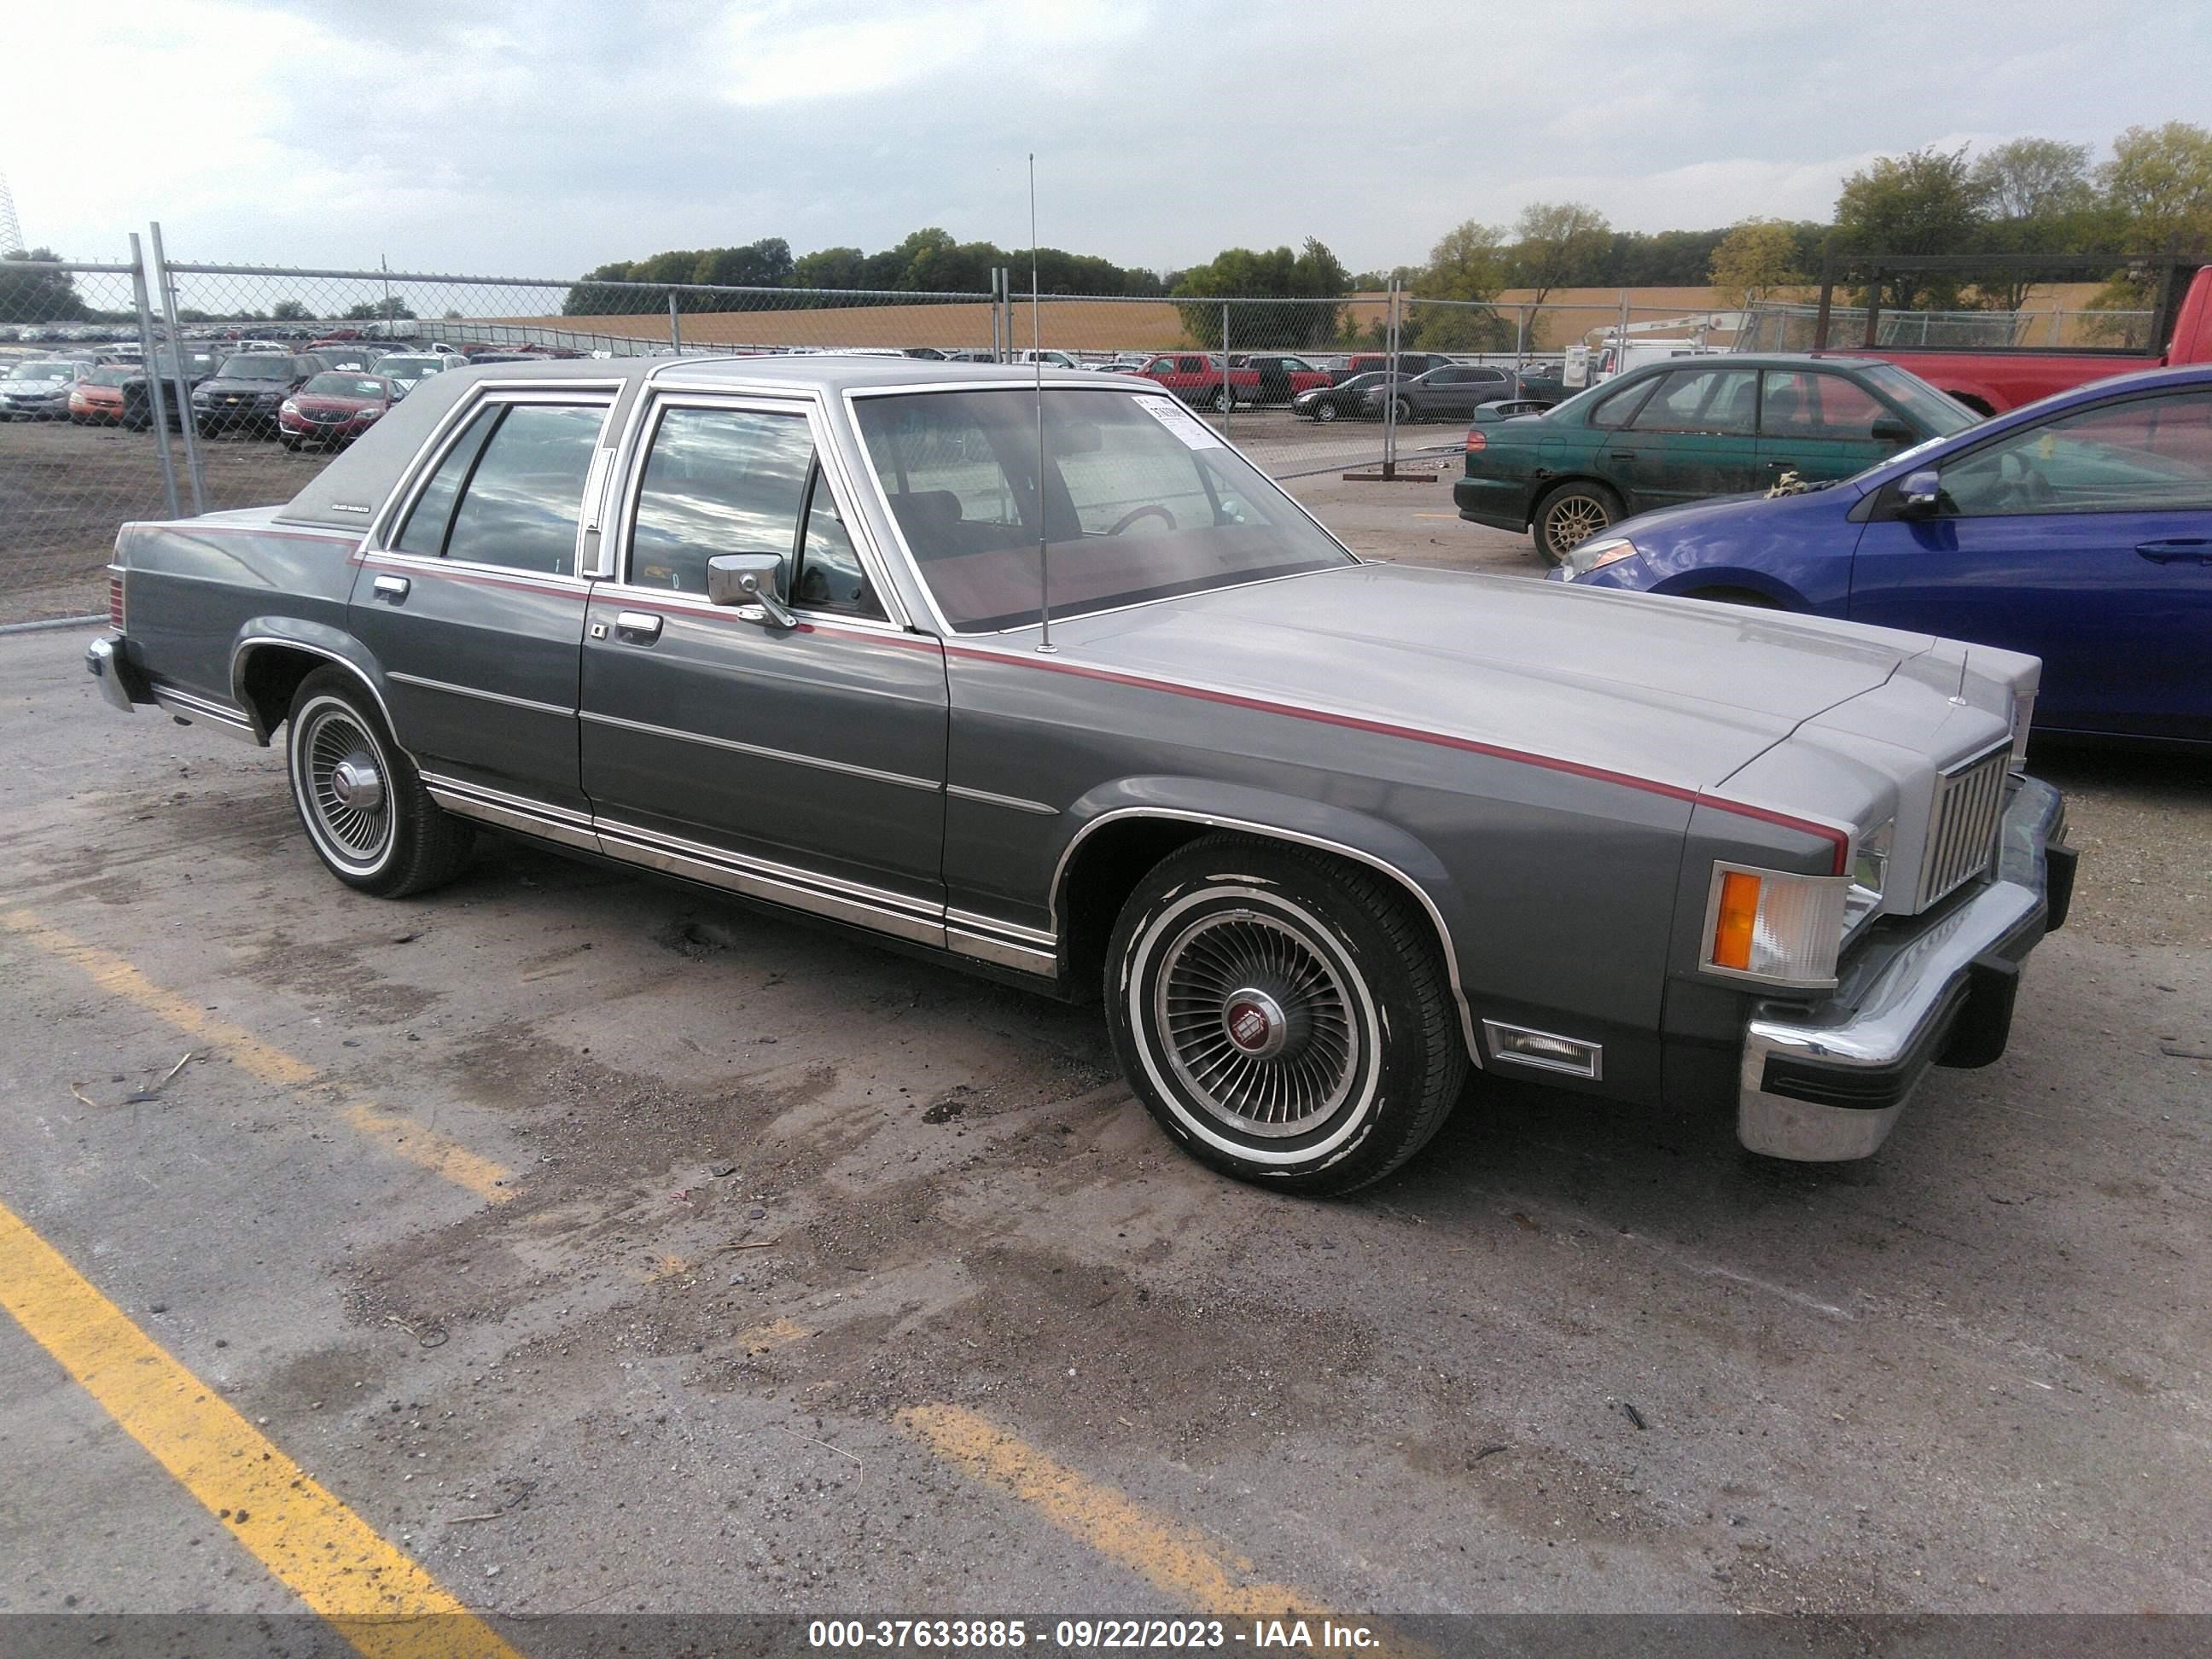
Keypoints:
pixel 1830 1085
pixel 1501 507
pixel 120 683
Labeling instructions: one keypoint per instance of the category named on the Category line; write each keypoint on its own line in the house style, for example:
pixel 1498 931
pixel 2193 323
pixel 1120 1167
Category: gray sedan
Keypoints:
pixel 1053 685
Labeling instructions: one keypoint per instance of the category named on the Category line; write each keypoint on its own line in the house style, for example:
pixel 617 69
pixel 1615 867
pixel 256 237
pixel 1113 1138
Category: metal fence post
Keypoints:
pixel 675 328
pixel 1228 387
pixel 156 399
pixel 187 424
pixel 1390 343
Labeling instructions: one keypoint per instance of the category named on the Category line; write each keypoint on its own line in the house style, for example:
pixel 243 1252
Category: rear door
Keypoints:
pixel 473 605
pixel 1819 424
pixel 1695 435
pixel 2085 539
pixel 804 764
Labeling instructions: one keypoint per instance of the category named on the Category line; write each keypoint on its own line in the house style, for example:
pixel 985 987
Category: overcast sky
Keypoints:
pixel 544 136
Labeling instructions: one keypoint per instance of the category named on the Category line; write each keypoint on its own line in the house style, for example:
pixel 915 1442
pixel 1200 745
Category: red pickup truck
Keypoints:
pixel 1993 378
pixel 1195 378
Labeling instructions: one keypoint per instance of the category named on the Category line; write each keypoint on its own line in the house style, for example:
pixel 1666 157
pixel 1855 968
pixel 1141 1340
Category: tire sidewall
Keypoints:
pixel 316 700
pixel 1390 1060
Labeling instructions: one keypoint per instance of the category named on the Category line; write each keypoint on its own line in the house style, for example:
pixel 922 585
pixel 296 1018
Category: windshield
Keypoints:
pixel 407 368
pixel 1141 500
pixel 119 375
pixel 344 385
pixel 41 372
pixel 257 366
pixel 1940 414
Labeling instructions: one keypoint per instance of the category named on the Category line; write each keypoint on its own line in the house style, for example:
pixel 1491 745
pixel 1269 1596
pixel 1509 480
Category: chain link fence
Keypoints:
pixel 1304 385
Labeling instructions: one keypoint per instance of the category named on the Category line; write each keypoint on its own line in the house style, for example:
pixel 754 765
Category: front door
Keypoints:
pixel 1695 435
pixel 2086 539
pixel 806 764
pixel 473 605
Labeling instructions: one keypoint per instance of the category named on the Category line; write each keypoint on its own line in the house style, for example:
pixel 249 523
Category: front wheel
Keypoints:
pixel 359 797
pixel 1404 410
pixel 1224 400
pixel 1570 515
pixel 1286 1016
pixel 1325 411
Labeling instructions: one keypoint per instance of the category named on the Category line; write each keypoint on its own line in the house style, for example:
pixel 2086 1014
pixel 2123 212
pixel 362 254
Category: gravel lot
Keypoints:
pixel 613 1248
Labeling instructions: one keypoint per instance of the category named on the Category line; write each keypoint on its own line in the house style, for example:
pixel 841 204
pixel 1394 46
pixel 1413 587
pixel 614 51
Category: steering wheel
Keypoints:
pixel 1150 509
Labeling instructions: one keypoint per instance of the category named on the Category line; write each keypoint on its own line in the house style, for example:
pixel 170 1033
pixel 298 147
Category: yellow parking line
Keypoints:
pixel 398 1133
pixel 404 1138
pixel 380 1599
pixel 1177 1558
pixel 119 978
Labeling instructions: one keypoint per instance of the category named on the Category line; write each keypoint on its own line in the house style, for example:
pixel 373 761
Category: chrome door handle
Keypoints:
pixel 391 587
pixel 640 625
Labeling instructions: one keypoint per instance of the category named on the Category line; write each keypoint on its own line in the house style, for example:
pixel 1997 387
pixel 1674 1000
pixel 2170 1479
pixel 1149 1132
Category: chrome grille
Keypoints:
pixel 1962 832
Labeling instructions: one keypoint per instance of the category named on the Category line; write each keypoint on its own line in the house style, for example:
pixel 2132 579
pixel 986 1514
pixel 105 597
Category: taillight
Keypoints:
pixel 115 600
pixel 1475 440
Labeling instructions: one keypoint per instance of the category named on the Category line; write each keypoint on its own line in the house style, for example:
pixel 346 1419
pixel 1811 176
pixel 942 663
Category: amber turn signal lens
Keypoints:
pixel 1731 927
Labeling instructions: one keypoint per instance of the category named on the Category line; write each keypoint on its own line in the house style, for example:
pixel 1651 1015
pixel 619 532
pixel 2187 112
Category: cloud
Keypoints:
pixel 548 137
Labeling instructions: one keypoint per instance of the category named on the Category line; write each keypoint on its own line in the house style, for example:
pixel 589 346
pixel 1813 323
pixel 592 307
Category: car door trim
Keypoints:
pixel 509 811
pixel 800 890
pixel 430 684
pixel 1011 803
pixel 762 751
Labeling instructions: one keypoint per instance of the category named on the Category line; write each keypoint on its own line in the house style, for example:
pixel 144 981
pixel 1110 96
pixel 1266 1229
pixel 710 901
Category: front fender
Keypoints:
pixel 1747 577
pixel 1214 804
pixel 260 633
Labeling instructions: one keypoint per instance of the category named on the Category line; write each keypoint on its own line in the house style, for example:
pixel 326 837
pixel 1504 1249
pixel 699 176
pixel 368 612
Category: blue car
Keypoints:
pixel 2078 529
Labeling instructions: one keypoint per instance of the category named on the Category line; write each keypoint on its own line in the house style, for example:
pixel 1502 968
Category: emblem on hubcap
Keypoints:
pixel 1255 1023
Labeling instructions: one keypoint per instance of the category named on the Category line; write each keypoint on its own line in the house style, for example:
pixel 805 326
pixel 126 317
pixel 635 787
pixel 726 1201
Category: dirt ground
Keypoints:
pixel 612 1248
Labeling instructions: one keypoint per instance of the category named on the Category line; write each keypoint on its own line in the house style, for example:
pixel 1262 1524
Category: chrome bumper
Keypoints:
pixel 105 661
pixel 1828 1085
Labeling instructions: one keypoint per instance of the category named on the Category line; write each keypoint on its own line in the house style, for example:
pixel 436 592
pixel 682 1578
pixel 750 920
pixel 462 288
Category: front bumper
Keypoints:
pixel 1827 1085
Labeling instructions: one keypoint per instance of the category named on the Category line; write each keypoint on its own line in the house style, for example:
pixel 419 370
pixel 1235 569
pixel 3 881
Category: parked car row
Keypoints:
pixel 326 397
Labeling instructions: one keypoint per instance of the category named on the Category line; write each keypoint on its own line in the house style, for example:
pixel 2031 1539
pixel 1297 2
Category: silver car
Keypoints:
pixel 1056 686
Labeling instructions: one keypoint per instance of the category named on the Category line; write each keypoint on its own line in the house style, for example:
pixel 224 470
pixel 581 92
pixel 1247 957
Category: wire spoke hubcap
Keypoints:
pixel 1257 1023
pixel 346 785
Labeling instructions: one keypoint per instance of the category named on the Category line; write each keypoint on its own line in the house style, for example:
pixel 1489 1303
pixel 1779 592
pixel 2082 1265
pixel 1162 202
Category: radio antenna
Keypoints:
pixel 1036 363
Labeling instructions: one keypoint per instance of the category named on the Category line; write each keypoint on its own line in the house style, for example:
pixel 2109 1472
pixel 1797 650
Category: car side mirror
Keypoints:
pixel 753 581
pixel 1919 494
pixel 1891 430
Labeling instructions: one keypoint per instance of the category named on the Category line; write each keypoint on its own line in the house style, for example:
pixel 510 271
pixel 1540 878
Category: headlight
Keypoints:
pixel 367 414
pixel 1597 553
pixel 1869 875
pixel 2023 716
pixel 290 407
pixel 1778 928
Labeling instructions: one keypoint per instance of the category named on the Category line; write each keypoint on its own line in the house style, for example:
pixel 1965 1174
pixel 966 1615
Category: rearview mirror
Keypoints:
pixel 1891 430
pixel 1920 492
pixel 754 580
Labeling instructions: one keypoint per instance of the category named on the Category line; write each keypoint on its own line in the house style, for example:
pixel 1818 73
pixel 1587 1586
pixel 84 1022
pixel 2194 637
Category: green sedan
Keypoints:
pixel 1688 428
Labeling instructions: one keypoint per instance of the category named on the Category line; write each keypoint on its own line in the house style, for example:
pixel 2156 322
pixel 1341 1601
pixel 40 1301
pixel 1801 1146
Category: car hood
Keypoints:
pixel 225 386
pixel 1683 690
pixel 329 405
pixel 20 388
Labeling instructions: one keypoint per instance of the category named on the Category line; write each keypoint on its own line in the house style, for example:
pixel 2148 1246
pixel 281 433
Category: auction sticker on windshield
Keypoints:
pixel 1194 433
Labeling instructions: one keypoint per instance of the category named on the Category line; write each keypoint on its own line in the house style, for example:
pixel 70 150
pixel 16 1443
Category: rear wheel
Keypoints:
pixel 1223 400
pixel 1570 515
pixel 1284 1016
pixel 359 797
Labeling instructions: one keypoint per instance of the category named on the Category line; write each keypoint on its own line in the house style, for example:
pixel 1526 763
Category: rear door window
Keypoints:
pixel 1702 400
pixel 1795 403
pixel 511 492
